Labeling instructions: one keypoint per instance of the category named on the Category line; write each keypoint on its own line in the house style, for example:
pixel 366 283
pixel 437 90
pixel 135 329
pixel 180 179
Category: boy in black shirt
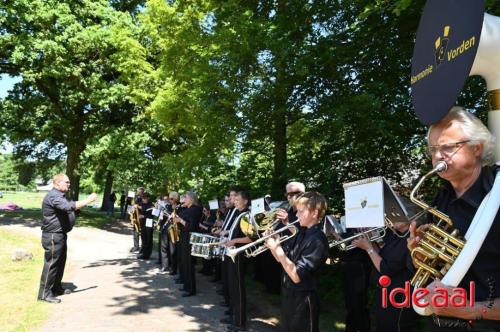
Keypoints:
pixel 301 263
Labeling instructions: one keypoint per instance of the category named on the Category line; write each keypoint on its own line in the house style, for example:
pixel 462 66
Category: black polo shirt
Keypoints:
pixel 192 216
pixel 485 270
pixel 58 212
pixel 308 252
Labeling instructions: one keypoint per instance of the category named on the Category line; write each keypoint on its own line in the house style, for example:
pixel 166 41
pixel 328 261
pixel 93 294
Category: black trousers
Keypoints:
pixel 165 257
pixel 187 265
pixel 225 278
pixel 147 241
pixel 217 271
pixel 135 236
pixel 299 310
pixel 178 251
pixel 55 248
pixel 237 292
pixel 356 280
pixel 477 326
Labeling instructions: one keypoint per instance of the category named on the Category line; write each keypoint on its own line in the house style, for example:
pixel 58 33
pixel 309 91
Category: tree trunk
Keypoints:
pixel 72 163
pixel 279 179
pixel 107 191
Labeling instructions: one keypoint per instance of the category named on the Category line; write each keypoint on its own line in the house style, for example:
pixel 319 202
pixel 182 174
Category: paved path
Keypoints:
pixel 113 291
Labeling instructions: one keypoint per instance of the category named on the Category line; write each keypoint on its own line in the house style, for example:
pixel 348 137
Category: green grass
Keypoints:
pixel 32 202
pixel 19 283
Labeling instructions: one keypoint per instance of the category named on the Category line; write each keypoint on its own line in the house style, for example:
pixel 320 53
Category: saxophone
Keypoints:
pixel 173 229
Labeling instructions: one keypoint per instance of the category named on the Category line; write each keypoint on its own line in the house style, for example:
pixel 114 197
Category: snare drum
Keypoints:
pixel 201 245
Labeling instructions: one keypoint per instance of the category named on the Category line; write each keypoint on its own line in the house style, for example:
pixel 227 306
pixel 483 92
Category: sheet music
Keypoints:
pixel 258 206
pixel 369 201
pixel 214 204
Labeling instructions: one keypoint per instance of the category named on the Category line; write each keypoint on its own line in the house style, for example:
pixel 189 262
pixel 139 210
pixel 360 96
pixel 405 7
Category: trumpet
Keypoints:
pixel 258 246
pixel 373 235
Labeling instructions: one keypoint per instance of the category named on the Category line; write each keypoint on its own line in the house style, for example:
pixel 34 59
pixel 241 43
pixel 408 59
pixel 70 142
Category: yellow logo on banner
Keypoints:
pixel 442 54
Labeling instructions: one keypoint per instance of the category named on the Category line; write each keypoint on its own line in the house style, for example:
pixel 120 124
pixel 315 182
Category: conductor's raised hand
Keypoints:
pixel 92 197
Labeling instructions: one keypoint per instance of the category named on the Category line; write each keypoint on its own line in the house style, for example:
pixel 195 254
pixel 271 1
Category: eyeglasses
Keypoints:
pixel 293 193
pixel 447 149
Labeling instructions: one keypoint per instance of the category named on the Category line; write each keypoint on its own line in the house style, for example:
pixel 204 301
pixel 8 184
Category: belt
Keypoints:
pixel 475 325
pixel 451 322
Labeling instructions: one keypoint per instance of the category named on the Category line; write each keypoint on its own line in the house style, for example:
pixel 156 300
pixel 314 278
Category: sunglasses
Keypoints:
pixel 293 193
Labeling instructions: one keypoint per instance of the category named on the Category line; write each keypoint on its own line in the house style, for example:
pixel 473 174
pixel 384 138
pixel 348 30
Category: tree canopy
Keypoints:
pixel 205 94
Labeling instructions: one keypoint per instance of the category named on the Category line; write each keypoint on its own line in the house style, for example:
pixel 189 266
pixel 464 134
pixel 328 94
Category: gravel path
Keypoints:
pixel 113 291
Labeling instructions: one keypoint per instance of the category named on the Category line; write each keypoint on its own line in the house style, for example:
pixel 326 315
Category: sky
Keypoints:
pixel 6 83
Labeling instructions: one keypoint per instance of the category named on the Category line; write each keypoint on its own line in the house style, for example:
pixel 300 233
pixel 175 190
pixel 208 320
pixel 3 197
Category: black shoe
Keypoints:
pixel 226 320
pixel 62 291
pixel 163 269
pixel 224 304
pixel 172 273
pixel 51 299
pixel 182 289
pixel 141 256
pixel 187 294
pixel 133 249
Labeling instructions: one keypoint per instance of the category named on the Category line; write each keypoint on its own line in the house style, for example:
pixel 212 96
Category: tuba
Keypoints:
pixel 440 244
pixel 486 63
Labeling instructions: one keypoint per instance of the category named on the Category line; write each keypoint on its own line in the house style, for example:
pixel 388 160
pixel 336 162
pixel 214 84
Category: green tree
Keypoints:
pixel 76 60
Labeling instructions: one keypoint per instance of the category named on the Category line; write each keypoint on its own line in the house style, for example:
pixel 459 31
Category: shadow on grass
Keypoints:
pixel 149 291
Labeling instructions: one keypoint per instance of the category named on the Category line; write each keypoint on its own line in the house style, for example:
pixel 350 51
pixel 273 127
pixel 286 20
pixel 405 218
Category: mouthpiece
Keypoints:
pixel 440 167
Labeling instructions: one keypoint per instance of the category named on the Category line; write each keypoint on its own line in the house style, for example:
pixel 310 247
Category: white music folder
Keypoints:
pixel 368 202
pixel 213 204
pixel 257 206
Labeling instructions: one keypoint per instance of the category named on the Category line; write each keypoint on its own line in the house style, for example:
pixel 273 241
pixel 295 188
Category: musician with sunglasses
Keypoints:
pixel 465 144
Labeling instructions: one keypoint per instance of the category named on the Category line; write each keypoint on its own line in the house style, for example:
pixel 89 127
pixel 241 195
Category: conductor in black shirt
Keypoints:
pixel 58 219
pixel 302 261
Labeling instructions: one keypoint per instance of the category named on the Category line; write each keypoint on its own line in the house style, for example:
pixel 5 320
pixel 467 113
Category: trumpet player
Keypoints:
pixel 293 190
pixel 393 261
pixel 189 219
pixel 301 263
pixel 236 269
pixel 226 226
pixel 467 147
